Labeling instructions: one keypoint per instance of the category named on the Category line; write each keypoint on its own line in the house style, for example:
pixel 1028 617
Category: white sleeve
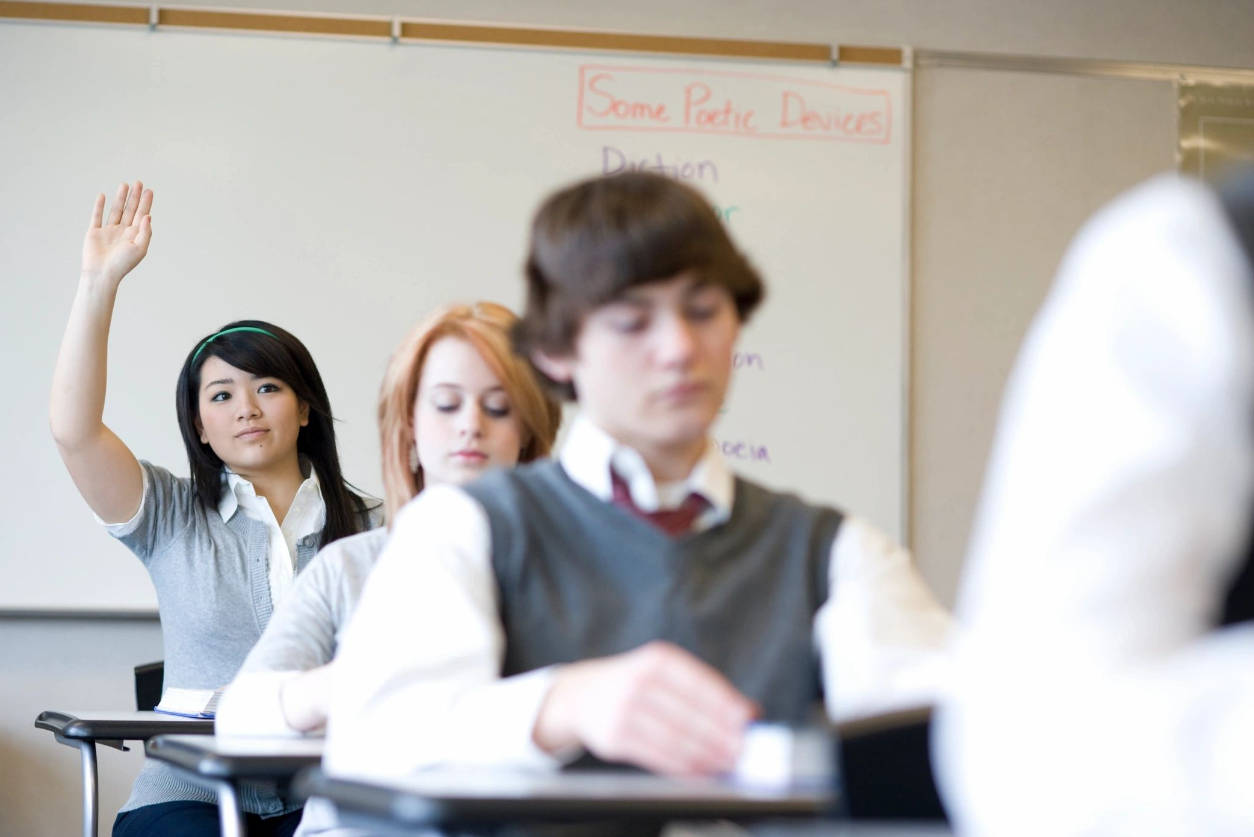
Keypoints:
pixel 1094 695
pixel 417 680
pixel 882 636
pixel 252 705
pixel 299 637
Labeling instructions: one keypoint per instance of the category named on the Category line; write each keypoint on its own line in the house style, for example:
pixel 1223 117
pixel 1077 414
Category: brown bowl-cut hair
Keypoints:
pixel 593 240
pixel 486 326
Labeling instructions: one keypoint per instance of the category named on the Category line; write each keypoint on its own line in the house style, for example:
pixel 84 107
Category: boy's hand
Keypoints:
pixel 658 707
pixel 305 698
pixel 113 246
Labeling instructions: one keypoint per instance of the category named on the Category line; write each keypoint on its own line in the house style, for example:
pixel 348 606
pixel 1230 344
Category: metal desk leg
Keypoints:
pixel 91 809
pixel 229 811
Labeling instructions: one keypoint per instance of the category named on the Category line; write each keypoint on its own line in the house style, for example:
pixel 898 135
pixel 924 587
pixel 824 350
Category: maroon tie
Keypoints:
pixel 674 522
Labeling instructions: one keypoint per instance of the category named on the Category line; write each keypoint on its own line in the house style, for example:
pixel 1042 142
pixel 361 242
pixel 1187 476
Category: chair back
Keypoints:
pixel 886 767
pixel 149 679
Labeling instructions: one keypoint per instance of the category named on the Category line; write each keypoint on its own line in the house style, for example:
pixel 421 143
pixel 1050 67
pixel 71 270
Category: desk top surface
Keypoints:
pixel 477 795
pixel 222 757
pixel 119 724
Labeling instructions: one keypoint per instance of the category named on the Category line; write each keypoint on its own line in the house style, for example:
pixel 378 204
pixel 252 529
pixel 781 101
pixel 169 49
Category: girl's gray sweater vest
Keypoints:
pixel 580 578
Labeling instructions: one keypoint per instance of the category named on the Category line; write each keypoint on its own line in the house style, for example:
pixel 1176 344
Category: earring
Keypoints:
pixel 413 459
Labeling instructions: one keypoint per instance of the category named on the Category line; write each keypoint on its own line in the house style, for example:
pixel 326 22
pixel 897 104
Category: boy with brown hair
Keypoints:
pixel 633 600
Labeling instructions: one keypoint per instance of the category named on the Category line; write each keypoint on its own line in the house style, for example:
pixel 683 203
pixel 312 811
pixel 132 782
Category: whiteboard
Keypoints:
pixel 342 189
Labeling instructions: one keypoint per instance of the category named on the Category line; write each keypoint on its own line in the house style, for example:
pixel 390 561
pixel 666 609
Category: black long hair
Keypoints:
pixel 270 352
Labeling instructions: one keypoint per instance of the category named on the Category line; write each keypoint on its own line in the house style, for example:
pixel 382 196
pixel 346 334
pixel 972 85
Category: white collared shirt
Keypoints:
pixel 306 516
pixel 1094 695
pixel 590 453
pixel 426 642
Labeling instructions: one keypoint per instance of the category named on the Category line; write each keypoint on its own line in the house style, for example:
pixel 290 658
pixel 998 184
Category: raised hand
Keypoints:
pixel 658 707
pixel 114 245
pixel 101 465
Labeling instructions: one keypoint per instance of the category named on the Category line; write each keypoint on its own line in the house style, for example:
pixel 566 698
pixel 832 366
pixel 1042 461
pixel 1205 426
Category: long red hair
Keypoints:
pixel 486 326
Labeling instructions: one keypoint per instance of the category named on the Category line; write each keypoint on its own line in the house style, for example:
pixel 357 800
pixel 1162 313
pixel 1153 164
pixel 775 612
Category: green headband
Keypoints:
pixel 213 337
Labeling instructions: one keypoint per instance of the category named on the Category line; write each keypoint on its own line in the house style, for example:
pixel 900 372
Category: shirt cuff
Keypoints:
pixel 500 717
pixel 884 639
pixel 253 705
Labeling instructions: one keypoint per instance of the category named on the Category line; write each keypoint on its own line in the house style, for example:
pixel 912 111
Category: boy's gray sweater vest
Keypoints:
pixel 580 578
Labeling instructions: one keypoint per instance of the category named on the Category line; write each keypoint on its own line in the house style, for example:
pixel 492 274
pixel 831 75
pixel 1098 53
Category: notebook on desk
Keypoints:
pixel 189 703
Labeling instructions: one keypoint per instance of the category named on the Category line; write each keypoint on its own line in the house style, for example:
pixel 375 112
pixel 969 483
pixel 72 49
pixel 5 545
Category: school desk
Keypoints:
pixel 85 730
pixel 227 763
pixel 478 796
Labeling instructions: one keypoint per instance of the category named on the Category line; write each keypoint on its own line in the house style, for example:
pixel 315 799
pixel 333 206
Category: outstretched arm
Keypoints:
pixel 102 467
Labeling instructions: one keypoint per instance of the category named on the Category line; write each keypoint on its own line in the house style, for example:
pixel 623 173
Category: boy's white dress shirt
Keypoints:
pixel 417 680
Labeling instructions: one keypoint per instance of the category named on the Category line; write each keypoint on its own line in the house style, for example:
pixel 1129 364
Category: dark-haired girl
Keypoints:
pixel 222 547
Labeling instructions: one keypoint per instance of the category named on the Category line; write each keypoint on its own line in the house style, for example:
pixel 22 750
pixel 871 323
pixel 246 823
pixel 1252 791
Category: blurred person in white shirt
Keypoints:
pixel 1106 669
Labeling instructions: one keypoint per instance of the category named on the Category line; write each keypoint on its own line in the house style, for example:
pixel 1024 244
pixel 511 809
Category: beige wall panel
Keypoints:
pixel 1007 167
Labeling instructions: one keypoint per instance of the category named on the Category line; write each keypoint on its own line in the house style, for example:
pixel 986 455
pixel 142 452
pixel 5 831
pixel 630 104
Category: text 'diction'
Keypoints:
pixel 739 104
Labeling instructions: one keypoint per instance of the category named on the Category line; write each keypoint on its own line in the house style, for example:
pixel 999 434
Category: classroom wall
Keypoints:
pixel 993 151
pixel 67 664
pixel 989 231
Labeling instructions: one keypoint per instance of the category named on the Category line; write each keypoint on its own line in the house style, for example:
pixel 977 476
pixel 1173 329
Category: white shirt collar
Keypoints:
pixel 237 490
pixel 305 516
pixel 232 485
pixel 589 453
